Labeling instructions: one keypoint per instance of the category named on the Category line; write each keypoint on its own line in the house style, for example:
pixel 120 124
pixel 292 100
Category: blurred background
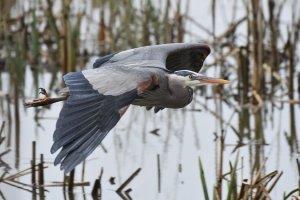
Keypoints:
pixel 238 141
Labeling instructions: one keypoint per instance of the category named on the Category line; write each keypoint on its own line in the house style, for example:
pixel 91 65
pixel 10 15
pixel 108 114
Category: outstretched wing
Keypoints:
pixel 176 56
pixel 93 108
pixel 100 96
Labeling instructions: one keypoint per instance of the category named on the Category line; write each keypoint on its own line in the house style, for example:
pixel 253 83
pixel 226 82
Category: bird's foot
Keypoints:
pixel 44 99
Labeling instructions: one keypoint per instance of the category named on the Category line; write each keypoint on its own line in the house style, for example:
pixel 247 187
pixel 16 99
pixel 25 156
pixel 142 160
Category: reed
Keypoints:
pixel 290 48
pixel 71 181
pixel 97 188
pixel 273 23
pixel 219 180
pixel 203 180
pixel 33 171
pixel 35 51
pixel 158 174
pixel 264 70
pixel 243 91
pixel 41 182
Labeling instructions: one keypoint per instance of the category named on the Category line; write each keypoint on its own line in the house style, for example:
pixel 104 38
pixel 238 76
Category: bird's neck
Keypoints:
pixel 178 80
pixel 181 93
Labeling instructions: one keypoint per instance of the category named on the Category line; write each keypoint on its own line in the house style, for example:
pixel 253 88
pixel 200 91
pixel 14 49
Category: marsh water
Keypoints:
pixel 165 146
pixel 183 135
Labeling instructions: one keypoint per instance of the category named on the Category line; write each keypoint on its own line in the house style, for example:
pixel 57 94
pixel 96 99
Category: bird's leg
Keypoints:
pixel 44 99
pixel 43 92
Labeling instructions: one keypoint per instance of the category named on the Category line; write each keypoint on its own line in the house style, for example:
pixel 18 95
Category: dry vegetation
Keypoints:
pixel 264 71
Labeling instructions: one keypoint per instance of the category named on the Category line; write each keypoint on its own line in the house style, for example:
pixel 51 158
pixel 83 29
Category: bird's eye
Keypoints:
pixel 190 77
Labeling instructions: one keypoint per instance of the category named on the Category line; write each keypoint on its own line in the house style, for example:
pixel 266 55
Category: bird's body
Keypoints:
pixel 173 94
pixel 154 76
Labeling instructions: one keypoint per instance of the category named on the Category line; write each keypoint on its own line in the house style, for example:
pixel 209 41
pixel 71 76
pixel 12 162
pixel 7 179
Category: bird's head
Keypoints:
pixel 191 78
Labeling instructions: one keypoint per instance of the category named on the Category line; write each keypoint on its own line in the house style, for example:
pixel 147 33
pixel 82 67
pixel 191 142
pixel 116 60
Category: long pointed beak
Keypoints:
pixel 211 80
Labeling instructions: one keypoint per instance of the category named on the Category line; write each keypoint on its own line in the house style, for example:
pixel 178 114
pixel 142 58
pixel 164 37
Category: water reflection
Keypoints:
pixel 182 135
pixel 234 129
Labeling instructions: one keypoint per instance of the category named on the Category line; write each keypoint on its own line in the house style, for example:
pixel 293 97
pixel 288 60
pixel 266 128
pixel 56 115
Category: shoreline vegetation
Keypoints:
pixel 258 52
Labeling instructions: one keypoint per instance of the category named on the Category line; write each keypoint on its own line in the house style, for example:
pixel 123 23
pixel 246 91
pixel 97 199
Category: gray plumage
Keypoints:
pixel 157 76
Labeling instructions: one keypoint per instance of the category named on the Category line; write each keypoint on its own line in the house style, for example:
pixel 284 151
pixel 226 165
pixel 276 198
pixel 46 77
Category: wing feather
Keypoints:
pixel 88 114
pixel 175 56
pixel 99 96
pixel 117 80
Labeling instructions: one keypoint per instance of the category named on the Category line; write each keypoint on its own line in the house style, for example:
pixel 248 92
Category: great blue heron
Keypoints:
pixel 157 76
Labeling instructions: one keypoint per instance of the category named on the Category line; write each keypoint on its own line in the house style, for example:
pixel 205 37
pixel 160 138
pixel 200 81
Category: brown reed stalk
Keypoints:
pixel 290 48
pixel 218 186
pixel 145 24
pixel 17 123
pixel 51 19
pixel 257 45
pixel 67 38
pixel 273 40
pixel 119 191
pixel 213 13
pixel 33 170
pixel 243 91
pixel 95 191
pixel 33 173
pixel 41 177
pixel 166 24
pixel 71 181
pixel 102 30
pixel 158 174
pixel 9 120
pixel 257 74
pixel 179 22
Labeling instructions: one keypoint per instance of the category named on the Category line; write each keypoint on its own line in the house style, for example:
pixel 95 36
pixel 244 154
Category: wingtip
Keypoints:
pixel 53 148
pixel 56 161
pixel 206 48
pixel 65 170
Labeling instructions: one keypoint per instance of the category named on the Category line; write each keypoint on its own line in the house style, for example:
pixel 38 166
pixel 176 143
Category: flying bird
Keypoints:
pixel 159 76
